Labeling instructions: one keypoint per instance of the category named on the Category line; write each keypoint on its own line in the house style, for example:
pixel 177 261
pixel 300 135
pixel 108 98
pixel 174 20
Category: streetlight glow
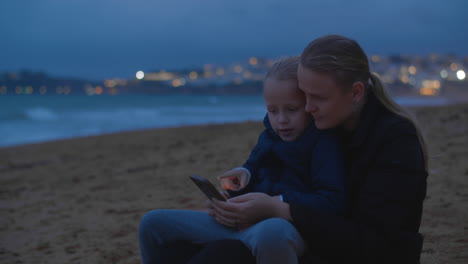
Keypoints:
pixel 443 74
pixel 140 75
pixel 461 75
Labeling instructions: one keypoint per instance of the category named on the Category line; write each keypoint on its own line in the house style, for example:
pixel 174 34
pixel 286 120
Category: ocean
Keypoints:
pixel 33 119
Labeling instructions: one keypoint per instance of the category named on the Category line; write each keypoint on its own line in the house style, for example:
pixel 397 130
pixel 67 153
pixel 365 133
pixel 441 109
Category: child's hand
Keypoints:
pixel 235 179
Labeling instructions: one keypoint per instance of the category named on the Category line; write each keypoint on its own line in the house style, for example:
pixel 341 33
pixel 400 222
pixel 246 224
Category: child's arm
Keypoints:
pixel 327 177
pixel 235 179
pixel 251 166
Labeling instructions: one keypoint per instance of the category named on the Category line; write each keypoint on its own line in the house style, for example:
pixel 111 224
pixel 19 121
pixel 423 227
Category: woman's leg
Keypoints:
pixel 227 251
pixel 274 240
pixel 178 252
pixel 161 227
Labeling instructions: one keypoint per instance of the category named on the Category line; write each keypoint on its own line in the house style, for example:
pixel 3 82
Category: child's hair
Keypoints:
pixel 284 69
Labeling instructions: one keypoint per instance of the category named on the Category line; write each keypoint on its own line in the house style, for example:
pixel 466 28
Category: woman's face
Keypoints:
pixel 328 103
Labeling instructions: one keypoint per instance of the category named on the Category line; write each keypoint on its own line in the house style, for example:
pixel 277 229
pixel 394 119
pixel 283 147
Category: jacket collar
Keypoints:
pixel 269 128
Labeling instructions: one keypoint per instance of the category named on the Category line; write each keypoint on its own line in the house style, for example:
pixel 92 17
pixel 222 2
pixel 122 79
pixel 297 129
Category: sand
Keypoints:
pixel 80 200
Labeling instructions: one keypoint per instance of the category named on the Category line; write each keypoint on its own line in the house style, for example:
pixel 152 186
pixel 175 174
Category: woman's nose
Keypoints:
pixel 310 108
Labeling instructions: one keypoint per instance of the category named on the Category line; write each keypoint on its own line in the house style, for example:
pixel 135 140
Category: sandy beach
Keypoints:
pixel 80 200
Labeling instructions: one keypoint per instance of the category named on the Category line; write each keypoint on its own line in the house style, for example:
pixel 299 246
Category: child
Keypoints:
pixel 282 164
pixel 292 160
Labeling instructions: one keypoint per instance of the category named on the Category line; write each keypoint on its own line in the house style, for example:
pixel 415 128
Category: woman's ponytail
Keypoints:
pixel 382 95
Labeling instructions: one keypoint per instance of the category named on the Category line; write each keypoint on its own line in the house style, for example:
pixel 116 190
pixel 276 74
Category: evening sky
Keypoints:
pixel 100 39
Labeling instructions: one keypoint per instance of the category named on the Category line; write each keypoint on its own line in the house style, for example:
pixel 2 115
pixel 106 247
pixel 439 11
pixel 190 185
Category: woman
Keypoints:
pixel 386 165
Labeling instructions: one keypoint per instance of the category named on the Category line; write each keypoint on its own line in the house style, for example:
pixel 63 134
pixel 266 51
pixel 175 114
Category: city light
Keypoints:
pixel 89 89
pixel 461 75
pixel 110 83
pixel 176 83
pixel 29 90
pixel 207 74
pixel 433 84
pixel 454 66
pixel 375 58
pixel 405 74
pixel 113 91
pixel 443 74
pixel 67 90
pixel 43 90
pixel 404 79
pixel 193 75
pixel 160 76
pixel 253 61
pixel 220 71
pixel 98 90
pixel 140 75
pixel 427 91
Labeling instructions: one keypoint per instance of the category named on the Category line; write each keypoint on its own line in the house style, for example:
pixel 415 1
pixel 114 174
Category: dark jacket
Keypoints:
pixel 387 182
pixel 308 171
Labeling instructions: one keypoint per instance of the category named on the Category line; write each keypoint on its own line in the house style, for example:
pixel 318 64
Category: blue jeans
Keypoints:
pixel 271 241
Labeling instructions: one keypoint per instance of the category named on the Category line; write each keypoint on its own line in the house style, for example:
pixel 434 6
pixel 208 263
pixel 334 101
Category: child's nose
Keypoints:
pixel 283 118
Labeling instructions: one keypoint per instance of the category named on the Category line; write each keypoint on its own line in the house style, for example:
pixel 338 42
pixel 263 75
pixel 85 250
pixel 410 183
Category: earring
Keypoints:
pixel 355 107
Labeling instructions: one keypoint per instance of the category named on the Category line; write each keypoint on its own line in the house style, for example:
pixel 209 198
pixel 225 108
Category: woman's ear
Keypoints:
pixel 358 91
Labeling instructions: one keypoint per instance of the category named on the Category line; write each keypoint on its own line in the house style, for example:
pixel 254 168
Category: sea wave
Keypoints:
pixel 29 114
pixel 42 119
pixel 41 114
pixel 35 119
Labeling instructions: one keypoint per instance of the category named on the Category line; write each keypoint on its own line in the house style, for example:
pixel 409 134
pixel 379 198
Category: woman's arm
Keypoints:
pixel 248 209
pixel 386 211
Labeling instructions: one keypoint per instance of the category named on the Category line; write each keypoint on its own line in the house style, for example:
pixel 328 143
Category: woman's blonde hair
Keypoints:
pixel 284 69
pixel 347 63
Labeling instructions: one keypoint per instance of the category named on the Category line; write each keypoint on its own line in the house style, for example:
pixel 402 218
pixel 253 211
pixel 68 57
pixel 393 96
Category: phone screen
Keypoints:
pixel 207 188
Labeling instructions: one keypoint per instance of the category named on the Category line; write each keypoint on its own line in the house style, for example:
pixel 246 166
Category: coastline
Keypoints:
pixel 81 199
pixel 40 119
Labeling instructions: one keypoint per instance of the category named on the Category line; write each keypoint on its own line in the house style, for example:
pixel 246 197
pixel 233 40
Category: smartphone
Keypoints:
pixel 207 188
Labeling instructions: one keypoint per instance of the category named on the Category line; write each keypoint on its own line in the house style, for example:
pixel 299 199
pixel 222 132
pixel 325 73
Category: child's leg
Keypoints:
pixel 160 227
pixel 274 240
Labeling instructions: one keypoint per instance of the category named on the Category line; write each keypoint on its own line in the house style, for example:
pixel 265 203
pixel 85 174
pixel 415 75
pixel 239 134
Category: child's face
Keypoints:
pixel 286 108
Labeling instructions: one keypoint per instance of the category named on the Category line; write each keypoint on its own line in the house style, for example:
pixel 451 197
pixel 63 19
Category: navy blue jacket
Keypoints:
pixel 308 171
pixel 386 185
pixel 386 181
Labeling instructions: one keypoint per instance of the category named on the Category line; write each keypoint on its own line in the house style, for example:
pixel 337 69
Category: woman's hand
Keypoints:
pixel 248 209
pixel 235 179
